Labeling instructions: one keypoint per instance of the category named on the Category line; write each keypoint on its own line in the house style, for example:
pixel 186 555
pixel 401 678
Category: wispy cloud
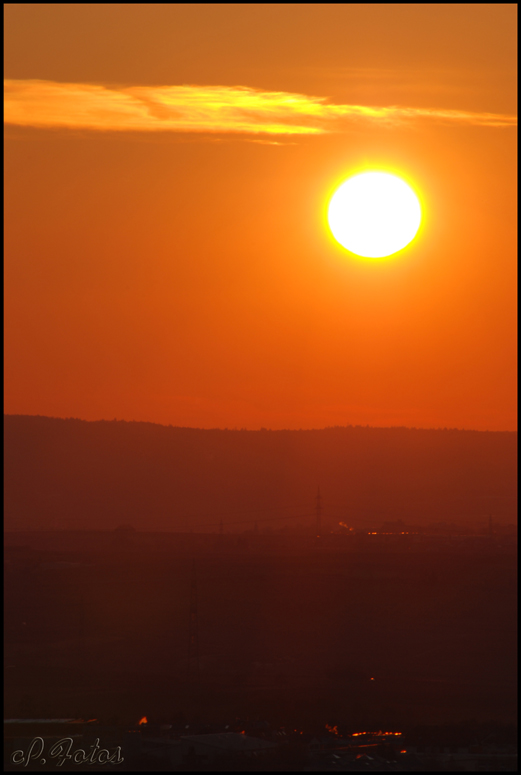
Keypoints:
pixel 215 109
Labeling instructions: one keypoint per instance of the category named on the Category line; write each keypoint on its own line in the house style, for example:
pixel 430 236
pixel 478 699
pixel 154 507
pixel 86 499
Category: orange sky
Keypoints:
pixel 167 168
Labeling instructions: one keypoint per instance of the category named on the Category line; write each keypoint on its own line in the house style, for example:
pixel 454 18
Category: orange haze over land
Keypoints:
pixel 167 174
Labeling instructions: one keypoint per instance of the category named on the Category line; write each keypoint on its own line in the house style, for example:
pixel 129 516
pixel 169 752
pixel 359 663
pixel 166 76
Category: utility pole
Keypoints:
pixel 318 512
pixel 193 633
pixel 81 633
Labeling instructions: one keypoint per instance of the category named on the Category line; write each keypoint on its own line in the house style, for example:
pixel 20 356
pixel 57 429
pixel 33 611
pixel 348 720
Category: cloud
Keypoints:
pixel 211 109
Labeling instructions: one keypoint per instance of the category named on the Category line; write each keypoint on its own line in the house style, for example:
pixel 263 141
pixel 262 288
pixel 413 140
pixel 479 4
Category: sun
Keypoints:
pixel 374 214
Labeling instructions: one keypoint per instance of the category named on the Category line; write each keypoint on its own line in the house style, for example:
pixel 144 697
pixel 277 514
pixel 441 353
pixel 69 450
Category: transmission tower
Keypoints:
pixel 318 512
pixel 193 634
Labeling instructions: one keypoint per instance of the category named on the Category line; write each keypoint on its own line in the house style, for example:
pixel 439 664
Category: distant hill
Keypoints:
pixel 71 473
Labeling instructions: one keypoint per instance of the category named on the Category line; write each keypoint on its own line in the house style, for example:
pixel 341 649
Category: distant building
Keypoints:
pixel 207 749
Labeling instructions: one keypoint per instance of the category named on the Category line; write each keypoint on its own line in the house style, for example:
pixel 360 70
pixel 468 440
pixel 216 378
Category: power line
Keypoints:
pixel 350 508
pixel 245 511
pixel 248 521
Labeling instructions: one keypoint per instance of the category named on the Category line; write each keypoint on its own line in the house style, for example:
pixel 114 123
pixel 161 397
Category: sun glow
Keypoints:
pixel 374 214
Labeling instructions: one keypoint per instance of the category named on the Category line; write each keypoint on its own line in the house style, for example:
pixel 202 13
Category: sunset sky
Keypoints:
pixel 167 175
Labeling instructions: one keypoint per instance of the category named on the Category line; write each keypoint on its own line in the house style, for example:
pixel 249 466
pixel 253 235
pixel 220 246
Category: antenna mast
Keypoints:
pixel 318 512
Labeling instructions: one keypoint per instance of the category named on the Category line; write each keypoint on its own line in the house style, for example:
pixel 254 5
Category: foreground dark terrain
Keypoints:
pixel 372 627
pixel 359 632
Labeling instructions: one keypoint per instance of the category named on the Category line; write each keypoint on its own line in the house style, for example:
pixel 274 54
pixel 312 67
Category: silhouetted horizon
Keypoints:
pixel 77 474
pixel 271 430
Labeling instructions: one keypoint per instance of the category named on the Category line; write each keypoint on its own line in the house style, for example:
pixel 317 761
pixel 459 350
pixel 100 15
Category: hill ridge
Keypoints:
pixel 76 473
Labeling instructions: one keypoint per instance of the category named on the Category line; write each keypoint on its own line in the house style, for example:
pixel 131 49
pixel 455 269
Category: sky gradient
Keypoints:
pixel 167 173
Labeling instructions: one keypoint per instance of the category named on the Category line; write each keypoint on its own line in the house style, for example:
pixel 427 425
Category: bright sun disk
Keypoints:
pixel 374 214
